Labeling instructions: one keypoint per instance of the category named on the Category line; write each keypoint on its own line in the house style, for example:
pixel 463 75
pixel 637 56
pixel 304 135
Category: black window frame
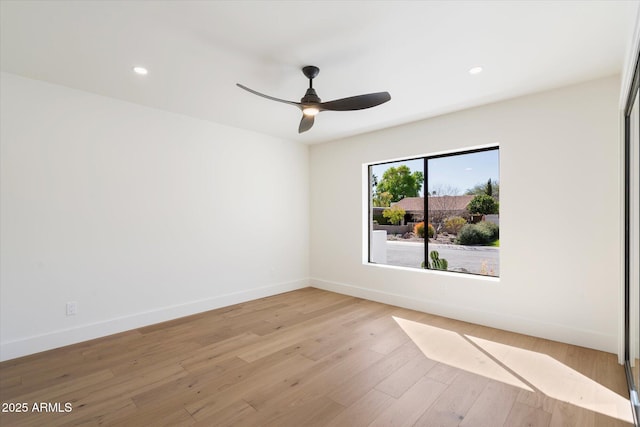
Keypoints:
pixel 425 159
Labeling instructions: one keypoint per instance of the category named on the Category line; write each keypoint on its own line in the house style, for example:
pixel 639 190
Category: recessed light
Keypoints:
pixel 140 70
pixel 475 70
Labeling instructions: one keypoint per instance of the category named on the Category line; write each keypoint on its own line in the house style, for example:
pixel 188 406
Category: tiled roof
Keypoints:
pixel 436 203
pixel 410 204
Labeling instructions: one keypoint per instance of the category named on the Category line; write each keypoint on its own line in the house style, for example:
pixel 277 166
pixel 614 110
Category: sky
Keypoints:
pixel 461 172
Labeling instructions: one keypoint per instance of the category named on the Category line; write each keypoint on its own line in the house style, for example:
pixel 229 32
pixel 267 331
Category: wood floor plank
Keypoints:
pixel 312 388
pixel 527 416
pixel 454 402
pixel 443 373
pixel 492 406
pixel 566 414
pixel 99 401
pixel 536 399
pixel 405 377
pixel 363 411
pixel 408 408
pixel 279 373
pixel 316 380
pixel 355 387
pixel 63 388
pixel 103 413
pixel 312 413
pixel 233 415
pixel 390 341
pixel 210 355
pixel 188 388
pixel 167 415
pixel 305 329
pixel 311 358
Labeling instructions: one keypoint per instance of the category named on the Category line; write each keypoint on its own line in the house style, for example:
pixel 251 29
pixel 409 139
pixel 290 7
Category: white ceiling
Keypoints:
pixel 418 51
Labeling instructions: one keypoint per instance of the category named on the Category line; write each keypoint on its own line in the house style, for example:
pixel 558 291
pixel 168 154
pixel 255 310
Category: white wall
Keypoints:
pixel 141 215
pixel 559 217
pixel 137 214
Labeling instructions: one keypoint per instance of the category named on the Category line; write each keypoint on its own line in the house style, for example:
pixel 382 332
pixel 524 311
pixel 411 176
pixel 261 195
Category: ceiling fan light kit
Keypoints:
pixel 311 105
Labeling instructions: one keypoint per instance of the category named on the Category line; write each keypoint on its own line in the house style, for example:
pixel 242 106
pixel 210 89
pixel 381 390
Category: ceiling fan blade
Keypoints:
pixel 297 104
pixel 305 123
pixel 359 102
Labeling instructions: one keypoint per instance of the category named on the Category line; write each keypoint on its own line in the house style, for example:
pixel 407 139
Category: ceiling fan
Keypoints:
pixel 311 105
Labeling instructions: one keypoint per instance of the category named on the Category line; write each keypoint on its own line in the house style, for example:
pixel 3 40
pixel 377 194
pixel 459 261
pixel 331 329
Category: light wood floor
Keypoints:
pixel 315 358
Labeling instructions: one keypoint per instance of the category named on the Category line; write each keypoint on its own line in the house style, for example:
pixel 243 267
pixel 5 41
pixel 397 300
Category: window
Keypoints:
pixel 461 229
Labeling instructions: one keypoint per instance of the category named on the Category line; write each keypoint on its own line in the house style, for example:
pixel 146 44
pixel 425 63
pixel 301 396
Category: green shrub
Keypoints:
pixel 394 214
pixel 490 229
pixel 381 220
pixel 483 204
pixel 481 233
pixel 454 224
pixel 470 235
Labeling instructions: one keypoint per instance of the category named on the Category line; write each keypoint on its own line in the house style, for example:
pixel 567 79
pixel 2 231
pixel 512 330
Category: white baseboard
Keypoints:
pixel 522 325
pixel 60 338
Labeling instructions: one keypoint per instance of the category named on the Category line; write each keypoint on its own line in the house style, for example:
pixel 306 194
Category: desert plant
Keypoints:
pixel 486 269
pixel 394 214
pixel 478 234
pixel 418 230
pixel 436 262
pixel 491 230
pixel 470 235
pixel 454 224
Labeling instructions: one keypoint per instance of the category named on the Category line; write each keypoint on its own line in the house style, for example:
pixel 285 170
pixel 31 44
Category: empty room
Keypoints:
pixel 319 213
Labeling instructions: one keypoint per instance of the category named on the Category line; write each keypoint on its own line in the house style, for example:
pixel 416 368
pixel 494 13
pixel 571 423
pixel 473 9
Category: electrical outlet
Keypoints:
pixel 72 308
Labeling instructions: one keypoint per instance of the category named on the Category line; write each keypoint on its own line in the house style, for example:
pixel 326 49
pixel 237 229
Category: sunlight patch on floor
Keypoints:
pixel 557 380
pixel 529 370
pixel 453 349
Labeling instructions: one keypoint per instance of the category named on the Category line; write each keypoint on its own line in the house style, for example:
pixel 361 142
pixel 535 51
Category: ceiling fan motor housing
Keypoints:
pixel 310 97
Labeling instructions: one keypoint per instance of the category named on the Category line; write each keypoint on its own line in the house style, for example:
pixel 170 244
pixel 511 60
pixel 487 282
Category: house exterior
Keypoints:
pixel 440 207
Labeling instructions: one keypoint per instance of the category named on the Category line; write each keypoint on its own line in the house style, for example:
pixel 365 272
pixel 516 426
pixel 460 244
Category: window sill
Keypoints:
pixel 455 274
